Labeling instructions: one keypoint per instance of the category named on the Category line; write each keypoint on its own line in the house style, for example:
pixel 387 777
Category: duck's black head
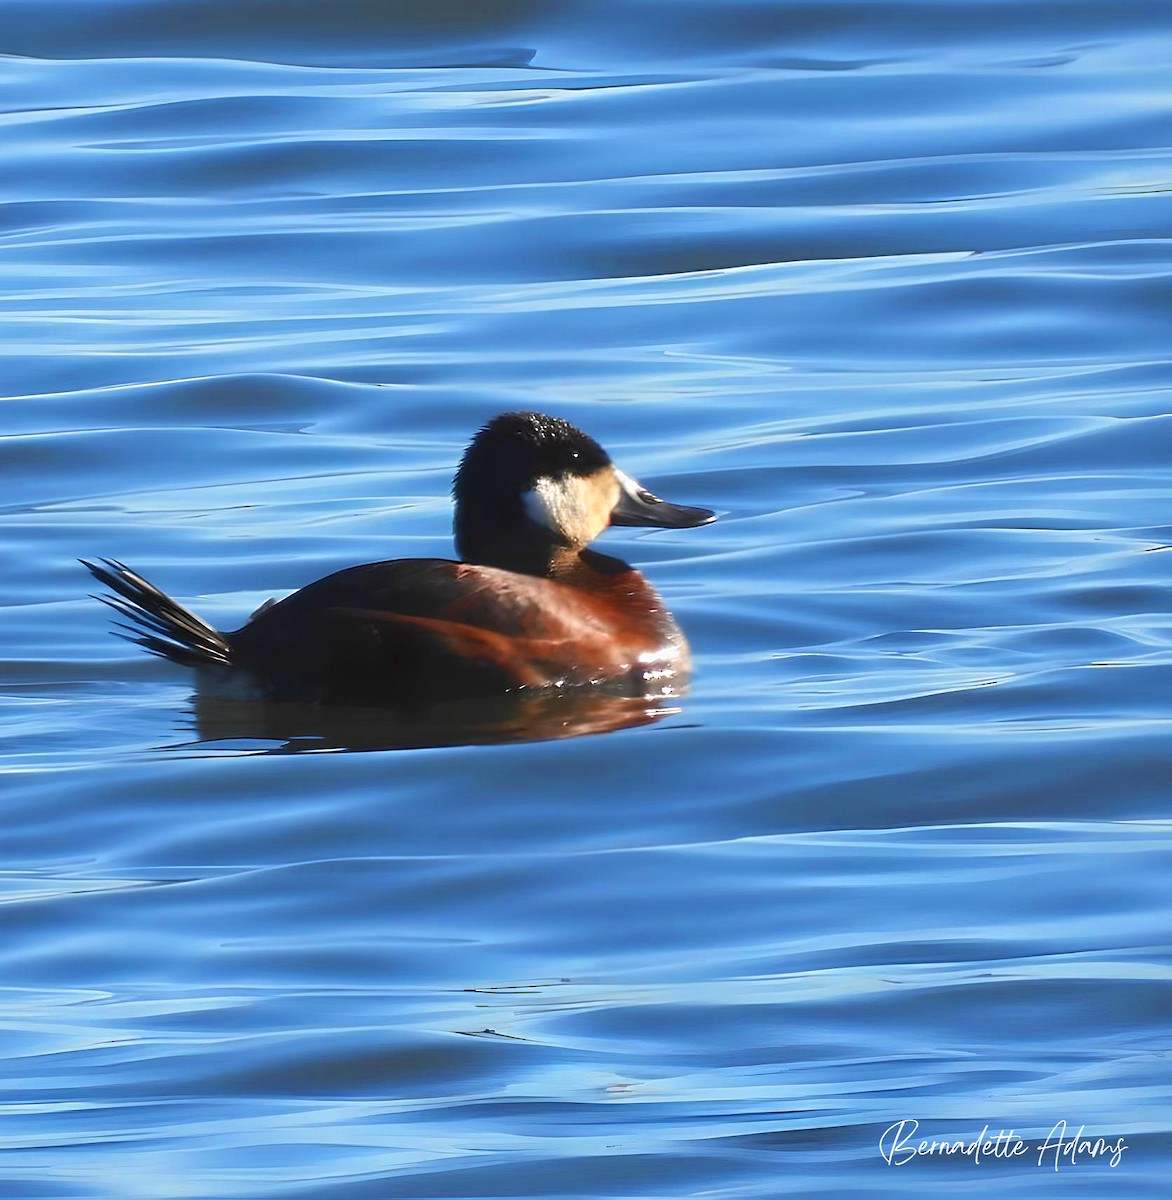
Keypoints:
pixel 531 485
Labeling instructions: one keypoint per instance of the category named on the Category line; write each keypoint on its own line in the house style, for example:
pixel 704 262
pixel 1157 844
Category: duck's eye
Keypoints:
pixel 574 454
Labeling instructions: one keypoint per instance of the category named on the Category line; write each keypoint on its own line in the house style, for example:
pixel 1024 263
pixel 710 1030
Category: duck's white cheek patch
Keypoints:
pixel 545 505
pixel 538 507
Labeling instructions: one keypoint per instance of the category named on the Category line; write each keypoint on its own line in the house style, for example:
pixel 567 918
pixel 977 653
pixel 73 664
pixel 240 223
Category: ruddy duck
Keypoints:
pixel 528 607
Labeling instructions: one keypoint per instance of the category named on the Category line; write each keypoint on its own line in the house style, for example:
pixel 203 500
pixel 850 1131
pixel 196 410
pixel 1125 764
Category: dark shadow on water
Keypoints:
pixel 259 727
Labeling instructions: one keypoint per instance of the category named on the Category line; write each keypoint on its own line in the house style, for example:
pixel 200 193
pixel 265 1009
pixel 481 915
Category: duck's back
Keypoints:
pixel 424 629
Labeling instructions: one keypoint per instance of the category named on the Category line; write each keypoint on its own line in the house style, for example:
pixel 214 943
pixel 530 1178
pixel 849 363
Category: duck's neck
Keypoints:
pixel 541 557
pixel 526 554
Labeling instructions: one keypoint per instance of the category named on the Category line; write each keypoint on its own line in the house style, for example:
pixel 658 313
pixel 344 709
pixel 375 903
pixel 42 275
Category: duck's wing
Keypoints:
pixel 432 645
pixel 424 627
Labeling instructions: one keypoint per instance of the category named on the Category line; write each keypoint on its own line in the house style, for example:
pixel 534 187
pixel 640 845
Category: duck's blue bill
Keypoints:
pixel 638 506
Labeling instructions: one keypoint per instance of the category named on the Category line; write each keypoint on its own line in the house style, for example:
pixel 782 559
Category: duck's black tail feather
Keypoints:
pixel 157 623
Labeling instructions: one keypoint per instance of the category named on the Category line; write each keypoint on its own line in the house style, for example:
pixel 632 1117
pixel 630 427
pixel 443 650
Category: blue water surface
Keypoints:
pixel 889 285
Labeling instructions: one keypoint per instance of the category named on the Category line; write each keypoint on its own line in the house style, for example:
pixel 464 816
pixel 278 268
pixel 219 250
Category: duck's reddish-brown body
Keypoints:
pixel 431 628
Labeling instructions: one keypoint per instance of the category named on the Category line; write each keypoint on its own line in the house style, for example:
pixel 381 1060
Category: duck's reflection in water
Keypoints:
pixel 262 727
